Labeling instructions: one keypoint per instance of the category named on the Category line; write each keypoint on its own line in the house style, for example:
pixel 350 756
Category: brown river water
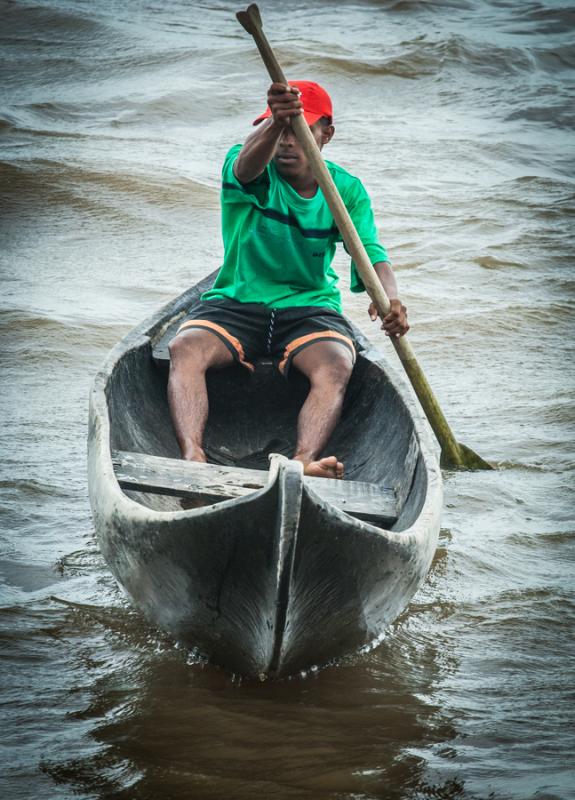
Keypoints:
pixel 458 116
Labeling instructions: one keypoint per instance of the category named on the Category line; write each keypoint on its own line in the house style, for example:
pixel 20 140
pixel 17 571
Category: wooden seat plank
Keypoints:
pixel 213 483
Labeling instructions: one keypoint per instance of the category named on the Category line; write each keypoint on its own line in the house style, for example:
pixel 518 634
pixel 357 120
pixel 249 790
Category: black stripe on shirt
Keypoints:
pixel 288 219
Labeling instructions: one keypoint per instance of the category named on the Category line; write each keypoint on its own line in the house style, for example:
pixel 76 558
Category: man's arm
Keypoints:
pixel 260 146
pixel 395 322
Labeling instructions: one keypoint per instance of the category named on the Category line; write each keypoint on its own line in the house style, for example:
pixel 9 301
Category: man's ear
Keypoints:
pixel 327 133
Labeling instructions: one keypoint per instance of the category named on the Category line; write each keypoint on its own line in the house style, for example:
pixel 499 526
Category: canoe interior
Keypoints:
pixel 253 415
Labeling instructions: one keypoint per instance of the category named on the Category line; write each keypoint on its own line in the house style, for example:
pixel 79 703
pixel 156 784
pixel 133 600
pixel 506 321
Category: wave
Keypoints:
pixel 30 338
pixel 16 320
pixel 541 194
pixel 526 466
pixel 555 114
pixel 121 619
pixel 555 59
pixel 414 6
pixel 28 577
pixel 54 119
pixel 521 18
pixel 73 184
pixel 29 24
pixel 545 19
pixel 421 57
pixel 535 595
pixel 494 263
pixel 80 562
pixel 28 489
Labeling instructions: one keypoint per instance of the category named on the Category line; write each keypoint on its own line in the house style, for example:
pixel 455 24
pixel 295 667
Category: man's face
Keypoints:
pixel 289 158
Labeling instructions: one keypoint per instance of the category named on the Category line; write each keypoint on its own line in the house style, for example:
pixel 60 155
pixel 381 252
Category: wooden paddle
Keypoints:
pixel 453 453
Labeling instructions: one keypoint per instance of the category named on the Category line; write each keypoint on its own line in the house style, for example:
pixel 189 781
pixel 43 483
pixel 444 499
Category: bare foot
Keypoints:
pixel 328 467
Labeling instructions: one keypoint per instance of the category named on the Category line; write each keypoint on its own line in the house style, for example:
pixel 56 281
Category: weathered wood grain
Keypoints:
pixel 213 483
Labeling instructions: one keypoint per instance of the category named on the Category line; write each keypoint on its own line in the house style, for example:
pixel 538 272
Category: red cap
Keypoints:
pixel 316 103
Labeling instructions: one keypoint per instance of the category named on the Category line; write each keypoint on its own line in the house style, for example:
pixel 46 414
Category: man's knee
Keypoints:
pixel 336 372
pixel 331 367
pixel 199 348
pixel 185 344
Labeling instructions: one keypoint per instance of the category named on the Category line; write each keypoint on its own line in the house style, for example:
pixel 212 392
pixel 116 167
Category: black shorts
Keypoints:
pixel 253 330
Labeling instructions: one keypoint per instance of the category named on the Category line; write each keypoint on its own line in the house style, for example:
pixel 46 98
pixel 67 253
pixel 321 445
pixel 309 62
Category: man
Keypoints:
pixel 276 293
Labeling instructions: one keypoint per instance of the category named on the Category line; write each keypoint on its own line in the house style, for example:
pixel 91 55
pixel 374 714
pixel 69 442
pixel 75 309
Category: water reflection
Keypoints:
pixel 164 728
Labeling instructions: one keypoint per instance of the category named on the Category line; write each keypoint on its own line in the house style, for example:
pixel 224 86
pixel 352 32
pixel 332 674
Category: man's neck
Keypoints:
pixel 305 185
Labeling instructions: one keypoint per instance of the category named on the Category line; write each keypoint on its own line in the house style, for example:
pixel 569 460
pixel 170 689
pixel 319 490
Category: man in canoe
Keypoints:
pixel 276 294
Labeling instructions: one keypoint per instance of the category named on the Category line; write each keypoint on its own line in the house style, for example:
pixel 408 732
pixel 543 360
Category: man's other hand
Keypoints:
pixel 395 323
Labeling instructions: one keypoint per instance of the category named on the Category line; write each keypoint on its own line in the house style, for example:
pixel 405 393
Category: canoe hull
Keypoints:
pixel 279 580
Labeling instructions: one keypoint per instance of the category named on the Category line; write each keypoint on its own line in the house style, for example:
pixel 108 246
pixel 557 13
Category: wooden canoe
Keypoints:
pixel 273 573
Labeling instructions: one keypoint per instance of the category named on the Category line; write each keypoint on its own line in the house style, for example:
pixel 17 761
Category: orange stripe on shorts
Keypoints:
pixel 310 338
pixel 235 343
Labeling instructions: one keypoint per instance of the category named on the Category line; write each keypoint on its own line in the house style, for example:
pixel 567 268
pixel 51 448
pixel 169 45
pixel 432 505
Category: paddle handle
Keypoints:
pixel 251 20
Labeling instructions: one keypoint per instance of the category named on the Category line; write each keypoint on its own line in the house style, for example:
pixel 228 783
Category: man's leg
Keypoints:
pixel 328 367
pixel 192 353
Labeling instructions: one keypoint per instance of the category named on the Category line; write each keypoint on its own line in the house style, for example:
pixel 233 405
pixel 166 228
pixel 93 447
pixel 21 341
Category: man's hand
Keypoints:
pixel 284 103
pixel 395 323
pixel 260 146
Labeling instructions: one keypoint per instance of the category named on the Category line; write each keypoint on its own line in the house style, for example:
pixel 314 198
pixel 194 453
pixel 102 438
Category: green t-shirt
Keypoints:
pixel 279 246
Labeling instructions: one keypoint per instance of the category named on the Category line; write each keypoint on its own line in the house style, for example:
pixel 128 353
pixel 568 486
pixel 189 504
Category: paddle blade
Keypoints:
pixel 250 19
pixel 467 459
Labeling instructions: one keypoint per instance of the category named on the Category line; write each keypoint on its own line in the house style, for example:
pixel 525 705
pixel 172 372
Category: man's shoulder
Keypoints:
pixel 339 170
pixel 228 174
pixel 232 153
pixel 235 148
pixel 344 180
